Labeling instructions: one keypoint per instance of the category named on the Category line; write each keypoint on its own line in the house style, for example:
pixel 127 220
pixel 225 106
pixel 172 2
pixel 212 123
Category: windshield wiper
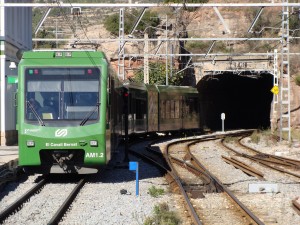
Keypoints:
pixel 41 122
pixel 89 114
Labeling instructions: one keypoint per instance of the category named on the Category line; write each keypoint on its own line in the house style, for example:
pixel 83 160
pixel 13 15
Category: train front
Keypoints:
pixel 62 112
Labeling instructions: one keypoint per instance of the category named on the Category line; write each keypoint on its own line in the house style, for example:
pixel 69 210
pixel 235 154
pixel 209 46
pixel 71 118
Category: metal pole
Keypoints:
pixel 2 75
pixel 121 59
pixel 56 34
pixel 167 80
pixel 146 59
pixel 222 125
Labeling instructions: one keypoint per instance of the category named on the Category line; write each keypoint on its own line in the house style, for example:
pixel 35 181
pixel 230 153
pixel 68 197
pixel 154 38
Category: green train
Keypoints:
pixel 71 111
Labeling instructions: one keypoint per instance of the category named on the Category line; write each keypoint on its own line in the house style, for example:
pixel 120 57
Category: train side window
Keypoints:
pixel 172 109
pixel 168 109
pixel 191 108
pixel 163 109
pixel 177 109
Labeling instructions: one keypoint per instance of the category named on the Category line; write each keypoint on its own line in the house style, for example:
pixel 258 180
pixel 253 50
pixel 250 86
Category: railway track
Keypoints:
pixel 21 203
pixel 277 163
pixel 9 172
pixel 199 183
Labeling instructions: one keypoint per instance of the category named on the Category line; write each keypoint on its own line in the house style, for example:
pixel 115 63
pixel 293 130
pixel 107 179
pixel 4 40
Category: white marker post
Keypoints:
pixel 222 118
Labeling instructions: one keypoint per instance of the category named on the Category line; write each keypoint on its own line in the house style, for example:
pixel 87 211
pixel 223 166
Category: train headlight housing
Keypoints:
pixel 93 143
pixel 30 143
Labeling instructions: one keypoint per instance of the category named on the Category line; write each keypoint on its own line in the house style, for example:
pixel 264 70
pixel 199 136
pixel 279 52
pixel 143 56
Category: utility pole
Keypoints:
pixel 56 33
pixel 167 79
pixel 121 59
pixel 146 58
pixel 285 107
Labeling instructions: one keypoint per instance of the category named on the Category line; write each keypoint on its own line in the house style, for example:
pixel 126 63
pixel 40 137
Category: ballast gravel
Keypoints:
pixel 100 201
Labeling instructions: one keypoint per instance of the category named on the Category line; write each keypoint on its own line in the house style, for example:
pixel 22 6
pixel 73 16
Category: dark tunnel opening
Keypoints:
pixel 244 98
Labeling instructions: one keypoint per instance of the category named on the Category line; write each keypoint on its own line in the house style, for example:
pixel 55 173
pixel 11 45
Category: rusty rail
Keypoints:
pixel 244 167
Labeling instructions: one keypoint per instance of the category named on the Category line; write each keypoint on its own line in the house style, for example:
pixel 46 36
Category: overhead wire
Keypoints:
pixel 74 32
pixel 175 27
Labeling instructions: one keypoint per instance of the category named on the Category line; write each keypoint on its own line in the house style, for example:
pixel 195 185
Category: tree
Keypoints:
pixel 150 19
pixel 294 23
pixel 157 75
pixel 45 44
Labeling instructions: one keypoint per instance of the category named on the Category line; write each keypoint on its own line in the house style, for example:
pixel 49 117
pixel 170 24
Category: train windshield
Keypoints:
pixel 62 94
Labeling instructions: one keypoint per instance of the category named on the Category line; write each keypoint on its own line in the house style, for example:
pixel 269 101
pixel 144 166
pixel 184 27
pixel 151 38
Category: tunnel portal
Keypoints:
pixel 244 98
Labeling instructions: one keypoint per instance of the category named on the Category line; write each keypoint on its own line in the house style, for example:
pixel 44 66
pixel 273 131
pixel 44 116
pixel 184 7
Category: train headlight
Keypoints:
pixel 30 143
pixel 94 143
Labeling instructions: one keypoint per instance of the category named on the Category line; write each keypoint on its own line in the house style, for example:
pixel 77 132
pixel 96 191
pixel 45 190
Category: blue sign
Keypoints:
pixel 135 166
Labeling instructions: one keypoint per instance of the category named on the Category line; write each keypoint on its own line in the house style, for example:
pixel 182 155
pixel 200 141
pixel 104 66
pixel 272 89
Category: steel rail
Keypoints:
pixel 19 202
pixel 170 171
pixel 266 163
pixel 204 176
pixel 174 180
pixel 266 155
pixel 270 159
pixel 63 208
pixel 296 203
pixel 244 167
pixel 248 212
pixel 175 176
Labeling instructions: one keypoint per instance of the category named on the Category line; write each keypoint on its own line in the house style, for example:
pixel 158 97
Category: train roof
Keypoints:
pixel 51 54
pixel 177 89
pixel 161 88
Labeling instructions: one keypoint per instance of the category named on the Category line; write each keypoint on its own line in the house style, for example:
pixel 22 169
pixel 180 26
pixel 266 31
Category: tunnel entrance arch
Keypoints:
pixel 244 97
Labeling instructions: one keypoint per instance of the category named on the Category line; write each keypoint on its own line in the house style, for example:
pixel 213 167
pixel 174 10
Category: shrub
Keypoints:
pixel 155 192
pixel 162 215
pixel 297 80
pixel 255 137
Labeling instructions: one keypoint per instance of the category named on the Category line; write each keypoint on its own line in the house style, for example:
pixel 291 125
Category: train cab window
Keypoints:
pixel 80 97
pixel 62 94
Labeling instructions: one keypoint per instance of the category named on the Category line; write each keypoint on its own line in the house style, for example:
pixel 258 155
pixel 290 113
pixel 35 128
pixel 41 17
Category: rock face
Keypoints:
pixel 295 105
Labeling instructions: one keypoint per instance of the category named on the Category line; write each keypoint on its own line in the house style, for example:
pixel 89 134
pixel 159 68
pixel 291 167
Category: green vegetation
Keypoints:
pixel 157 75
pixel 162 216
pixel 294 24
pixel 197 46
pixel 37 14
pixel 230 139
pixel 150 19
pixel 45 44
pixel 263 135
pixel 189 9
pixel 155 192
pixel 297 79
pixel 295 134
pixel 255 137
